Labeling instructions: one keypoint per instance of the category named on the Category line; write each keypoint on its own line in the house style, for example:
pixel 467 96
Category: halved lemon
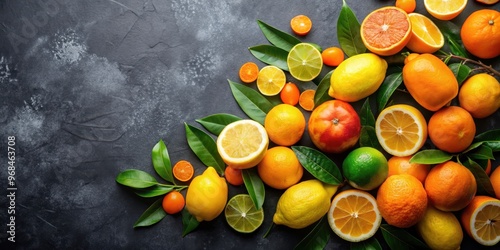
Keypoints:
pixel 445 9
pixel 426 36
pixel 242 215
pixel 354 215
pixel 401 130
pixel 242 144
pixel 480 219
pixel 271 80
pixel 304 62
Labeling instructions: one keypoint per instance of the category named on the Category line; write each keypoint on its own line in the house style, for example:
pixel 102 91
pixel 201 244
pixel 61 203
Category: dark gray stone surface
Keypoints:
pixel 88 88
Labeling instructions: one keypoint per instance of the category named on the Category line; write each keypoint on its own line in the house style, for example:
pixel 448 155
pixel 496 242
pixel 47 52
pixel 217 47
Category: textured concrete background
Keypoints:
pixel 89 87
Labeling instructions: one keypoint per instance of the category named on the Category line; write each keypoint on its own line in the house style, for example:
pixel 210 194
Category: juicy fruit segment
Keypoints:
pixel 280 168
pixel 357 77
pixel 301 25
pixel 402 200
pixel 183 170
pixel 242 215
pixel 480 220
pixel 445 10
pixel 480 95
pixel 304 62
pixel 306 99
pixel 401 130
pixel 206 195
pixel 452 129
pixel 402 165
pixel 271 80
pixel 426 36
pixel 365 168
pixel 480 33
pixel 440 230
pixel 285 124
pixel 354 215
pixel 386 31
pixel 431 92
pixel 248 72
pixel 242 144
pixel 450 186
pixel 303 204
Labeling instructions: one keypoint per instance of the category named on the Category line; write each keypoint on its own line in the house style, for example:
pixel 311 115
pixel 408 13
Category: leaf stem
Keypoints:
pixel 478 63
pixel 177 187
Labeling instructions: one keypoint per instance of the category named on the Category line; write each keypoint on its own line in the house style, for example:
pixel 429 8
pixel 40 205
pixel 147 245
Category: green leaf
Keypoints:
pixel 455 45
pixel 136 179
pixel 369 244
pixel 389 85
pixel 490 135
pixel 317 238
pixel 318 164
pixel 250 101
pixel 366 114
pixel 483 182
pixel 154 191
pixel 494 145
pixel 161 161
pixel 152 215
pixel 271 55
pixel 482 152
pixel 368 138
pixel 205 148
pixel 398 238
pixel 461 71
pixel 348 32
pixel 216 122
pixel 255 187
pixel 321 94
pixel 189 222
pixel 277 37
pixel 430 156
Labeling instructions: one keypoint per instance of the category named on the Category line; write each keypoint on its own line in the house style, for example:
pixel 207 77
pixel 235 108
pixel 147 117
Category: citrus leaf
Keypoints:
pixel 321 94
pixel 473 146
pixel 398 238
pixel 484 186
pixel 430 156
pixel 348 32
pixel 482 152
pixel 189 222
pixel 461 71
pixel 205 148
pixel 154 191
pixel 318 164
pixel 389 85
pixel 277 37
pixel 255 187
pixel 217 122
pixel 317 238
pixel 271 55
pixel 494 145
pixel 136 179
pixel 161 161
pixel 152 215
pixel 369 244
pixel 490 135
pixel 366 114
pixel 250 101
pixel 368 138
pixel 455 45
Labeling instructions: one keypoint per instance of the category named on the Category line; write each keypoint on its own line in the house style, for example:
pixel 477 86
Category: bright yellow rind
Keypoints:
pixel 445 10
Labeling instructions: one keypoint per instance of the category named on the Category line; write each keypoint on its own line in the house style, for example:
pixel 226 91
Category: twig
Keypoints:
pixel 479 63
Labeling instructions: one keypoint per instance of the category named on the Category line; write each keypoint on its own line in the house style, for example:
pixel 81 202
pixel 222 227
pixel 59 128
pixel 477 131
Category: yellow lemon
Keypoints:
pixel 440 230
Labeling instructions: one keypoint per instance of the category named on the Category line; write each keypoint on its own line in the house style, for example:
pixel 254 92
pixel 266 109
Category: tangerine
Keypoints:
pixel 495 181
pixel 173 202
pixel 480 95
pixel 280 168
pixel 301 25
pixel 332 56
pixel 285 124
pixel 402 165
pixel 183 170
pixel 452 129
pixel 480 33
pixel 290 94
pixel 233 176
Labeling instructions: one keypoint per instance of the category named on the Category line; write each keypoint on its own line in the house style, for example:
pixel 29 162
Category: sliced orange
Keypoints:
pixel 480 220
pixel 445 10
pixel 354 215
pixel 306 99
pixel 248 72
pixel 301 25
pixel 490 2
pixel 183 170
pixel 386 31
pixel 426 36
pixel 401 130
pixel 271 80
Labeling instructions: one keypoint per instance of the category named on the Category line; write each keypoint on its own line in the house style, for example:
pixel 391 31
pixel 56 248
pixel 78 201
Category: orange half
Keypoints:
pixel 426 36
pixel 480 220
pixel 445 10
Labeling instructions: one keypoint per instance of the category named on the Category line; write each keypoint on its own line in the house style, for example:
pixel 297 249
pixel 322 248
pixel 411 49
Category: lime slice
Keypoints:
pixel 271 80
pixel 242 215
pixel 304 62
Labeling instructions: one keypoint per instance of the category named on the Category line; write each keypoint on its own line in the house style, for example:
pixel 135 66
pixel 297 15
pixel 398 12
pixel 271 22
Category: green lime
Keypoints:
pixel 304 62
pixel 242 215
pixel 365 168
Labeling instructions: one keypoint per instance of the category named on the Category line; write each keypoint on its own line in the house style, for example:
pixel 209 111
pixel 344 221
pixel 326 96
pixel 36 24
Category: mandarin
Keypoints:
pixel 452 129
pixel 480 95
pixel 480 33
pixel 285 124
pixel 402 165
pixel 280 168
pixel 495 181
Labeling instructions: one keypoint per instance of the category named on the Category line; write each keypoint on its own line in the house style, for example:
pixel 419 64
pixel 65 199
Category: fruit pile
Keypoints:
pixel 421 182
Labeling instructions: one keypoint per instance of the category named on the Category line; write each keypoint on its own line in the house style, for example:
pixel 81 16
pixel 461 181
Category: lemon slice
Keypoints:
pixel 271 80
pixel 445 10
pixel 304 62
pixel 242 215
pixel 426 36
pixel 401 130
pixel 242 144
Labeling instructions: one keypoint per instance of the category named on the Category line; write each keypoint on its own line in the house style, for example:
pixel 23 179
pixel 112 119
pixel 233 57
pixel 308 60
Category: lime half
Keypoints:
pixel 242 215
pixel 304 62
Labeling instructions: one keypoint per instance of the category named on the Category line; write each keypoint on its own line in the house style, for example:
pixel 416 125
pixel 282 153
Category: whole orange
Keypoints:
pixel 430 82
pixel 495 181
pixel 451 129
pixel 480 33
pixel 480 95
pixel 402 200
pixel 402 165
pixel 280 168
pixel 450 186
pixel 334 126
pixel 233 176
pixel 285 124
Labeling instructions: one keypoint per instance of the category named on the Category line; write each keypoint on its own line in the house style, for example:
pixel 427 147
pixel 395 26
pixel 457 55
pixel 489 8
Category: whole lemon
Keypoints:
pixel 206 195
pixel 357 77
pixel 285 124
pixel 440 230
pixel 304 203
pixel 480 95
pixel 365 168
